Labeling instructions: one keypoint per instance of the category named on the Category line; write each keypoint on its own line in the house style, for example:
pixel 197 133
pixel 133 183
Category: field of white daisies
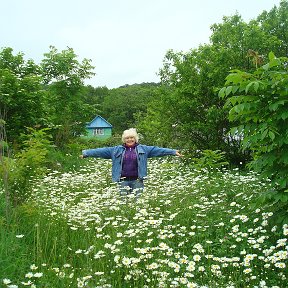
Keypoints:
pixel 188 229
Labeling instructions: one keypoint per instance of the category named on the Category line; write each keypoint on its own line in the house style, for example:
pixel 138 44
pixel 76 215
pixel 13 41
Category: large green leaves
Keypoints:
pixel 259 101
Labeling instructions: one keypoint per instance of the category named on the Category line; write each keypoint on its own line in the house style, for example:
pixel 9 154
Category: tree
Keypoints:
pixel 275 23
pixel 65 76
pixel 186 111
pixel 258 101
pixel 94 98
pixel 187 108
pixel 21 94
pixel 122 105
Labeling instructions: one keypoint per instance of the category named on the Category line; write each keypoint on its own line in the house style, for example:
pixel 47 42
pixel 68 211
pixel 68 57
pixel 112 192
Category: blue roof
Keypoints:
pixel 99 122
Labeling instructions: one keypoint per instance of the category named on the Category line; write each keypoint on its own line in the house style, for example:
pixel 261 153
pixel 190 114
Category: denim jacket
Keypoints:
pixel 116 153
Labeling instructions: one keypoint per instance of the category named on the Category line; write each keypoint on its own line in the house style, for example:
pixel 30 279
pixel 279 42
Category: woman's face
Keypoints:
pixel 130 140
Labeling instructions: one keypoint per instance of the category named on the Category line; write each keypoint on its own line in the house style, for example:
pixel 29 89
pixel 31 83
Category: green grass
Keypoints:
pixel 188 229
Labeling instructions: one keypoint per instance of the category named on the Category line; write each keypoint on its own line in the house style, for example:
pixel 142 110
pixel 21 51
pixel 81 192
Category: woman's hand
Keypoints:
pixel 178 154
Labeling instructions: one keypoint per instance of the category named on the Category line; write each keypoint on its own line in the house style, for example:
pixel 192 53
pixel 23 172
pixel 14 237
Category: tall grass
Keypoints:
pixel 188 229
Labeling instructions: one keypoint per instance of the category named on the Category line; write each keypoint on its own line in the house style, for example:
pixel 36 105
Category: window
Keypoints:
pixel 98 132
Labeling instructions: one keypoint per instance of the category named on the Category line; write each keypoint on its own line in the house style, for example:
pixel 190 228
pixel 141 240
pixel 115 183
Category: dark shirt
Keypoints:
pixel 130 164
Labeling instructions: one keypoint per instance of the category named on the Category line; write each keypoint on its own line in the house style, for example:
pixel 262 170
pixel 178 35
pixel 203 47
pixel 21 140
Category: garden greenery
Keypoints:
pixel 210 160
pixel 30 162
pixel 258 101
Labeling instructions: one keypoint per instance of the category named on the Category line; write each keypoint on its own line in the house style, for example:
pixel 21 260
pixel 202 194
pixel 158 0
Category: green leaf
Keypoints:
pixel 254 84
pixel 228 90
pixel 271 56
pixel 264 134
pixel 278 197
pixel 271 135
pixel 274 62
pixel 234 89
pixel 234 77
pixel 239 108
pixel 274 106
pixel 284 115
pixel 234 130
pixel 234 100
pixel 284 157
pixel 248 87
pixel 222 93
pixel 282 182
pixel 266 66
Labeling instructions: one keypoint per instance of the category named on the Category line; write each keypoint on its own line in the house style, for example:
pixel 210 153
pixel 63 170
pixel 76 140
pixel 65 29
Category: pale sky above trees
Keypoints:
pixel 125 39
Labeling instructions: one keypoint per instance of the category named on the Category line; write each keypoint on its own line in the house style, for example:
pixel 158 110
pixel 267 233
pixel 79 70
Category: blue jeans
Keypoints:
pixel 127 187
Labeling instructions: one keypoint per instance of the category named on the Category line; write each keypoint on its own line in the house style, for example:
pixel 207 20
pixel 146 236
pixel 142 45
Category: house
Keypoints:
pixel 99 128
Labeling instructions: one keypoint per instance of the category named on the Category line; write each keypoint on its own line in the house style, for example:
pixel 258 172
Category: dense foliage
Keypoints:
pixel 187 111
pixel 123 104
pixel 21 95
pixel 260 105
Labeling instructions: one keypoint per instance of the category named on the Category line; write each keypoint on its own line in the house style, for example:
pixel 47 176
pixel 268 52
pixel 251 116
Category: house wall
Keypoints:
pixel 107 133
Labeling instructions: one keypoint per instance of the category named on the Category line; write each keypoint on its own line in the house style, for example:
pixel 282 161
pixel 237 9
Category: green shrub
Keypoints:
pixel 30 162
pixel 209 159
pixel 260 107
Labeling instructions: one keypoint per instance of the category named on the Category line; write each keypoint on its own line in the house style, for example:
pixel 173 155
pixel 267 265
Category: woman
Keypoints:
pixel 129 161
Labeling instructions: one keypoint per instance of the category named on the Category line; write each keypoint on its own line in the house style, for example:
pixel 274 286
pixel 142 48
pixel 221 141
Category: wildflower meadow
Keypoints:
pixel 189 228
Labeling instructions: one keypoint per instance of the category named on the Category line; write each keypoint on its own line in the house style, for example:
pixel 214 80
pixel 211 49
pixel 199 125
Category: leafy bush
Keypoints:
pixel 260 105
pixel 30 162
pixel 67 158
pixel 210 160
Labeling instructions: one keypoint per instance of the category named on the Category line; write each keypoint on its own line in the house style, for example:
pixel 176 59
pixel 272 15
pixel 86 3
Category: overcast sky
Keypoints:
pixel 125 39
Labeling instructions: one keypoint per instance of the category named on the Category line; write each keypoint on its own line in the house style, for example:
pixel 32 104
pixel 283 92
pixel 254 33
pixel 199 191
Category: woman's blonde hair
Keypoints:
pixel 130 132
